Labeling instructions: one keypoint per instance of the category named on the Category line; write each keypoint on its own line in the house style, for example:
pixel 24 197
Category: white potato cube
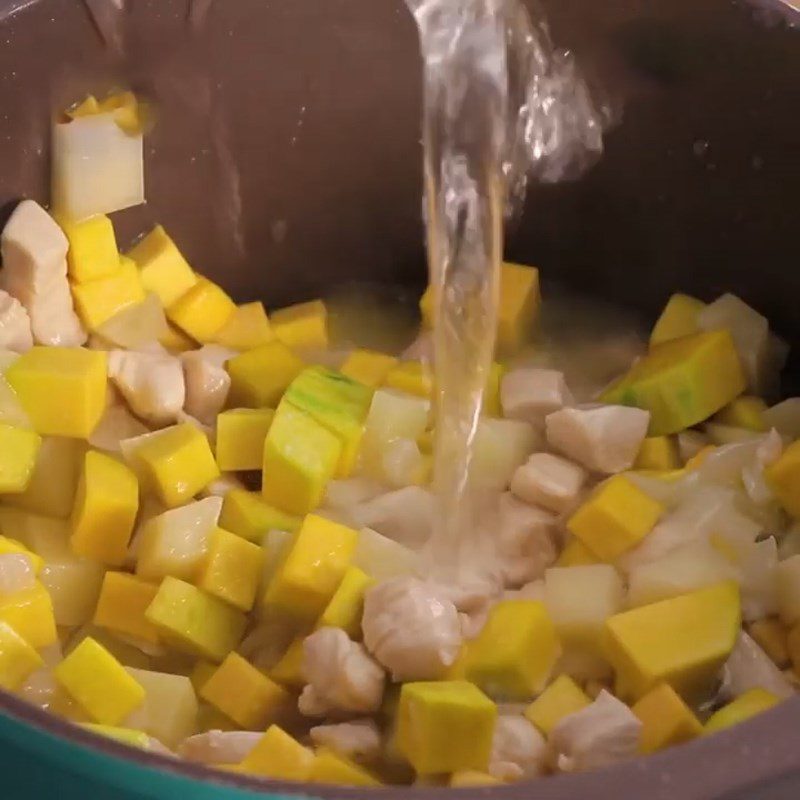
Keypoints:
pixel 530 394
pixel 500 447
pixel 551 481
pixel 405 515
pixel 383 558
pixel 136 326
pixel 74 586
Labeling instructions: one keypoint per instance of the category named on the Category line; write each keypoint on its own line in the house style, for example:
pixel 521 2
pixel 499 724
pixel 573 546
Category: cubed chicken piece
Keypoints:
pixel 749 667
pixel 219 747
pixel 15 325
pixel 359 739
pixel 412 628
pixel 518 749
pixel 341 675
pixel 405 515
pixel 549 481
pixel 604 438
pixel 207 381
pixel 530 394
pixel 603 733
pixel 525 539
pixel 152 384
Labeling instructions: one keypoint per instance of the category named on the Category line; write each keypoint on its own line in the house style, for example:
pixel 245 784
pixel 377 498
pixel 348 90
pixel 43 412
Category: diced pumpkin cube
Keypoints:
pixel 783 477
pixel 330 767
pixel 202 311
pixel 679 318
pixel 368 367
pixel 277 755
pixel 247 328
pixel 244 694
pixel 745 706
pixel 232 569
pixel 240 438
pixel 99 683
pixel 312 569
pixel 105 509
pixel 176 463
pixel 194 621
pixel 17 658
pixel 682 641
pixel 471 777
pixel 260 376
pixel 99 300
pixel 413 377
pixel 347 604
pixel 13 547
pixel 304 325
pixel 163 269
pixel 300 457
pixel 289 669
pixel 73 584
pixel 93 250
pixel 515 652
pixel 128 736
pixel 615 517
pixel 122 604
pixel 576 554
pixel 45 536
pixel 744 412
pixel 201 672
pixel 682 382
pixel 658 452
pixel 246 514
pixel 19 449
pixel 771 635
pixel 30 614
pixel 666 719
pixel 445 726
pixel 62 389
pixel 563 696
pixel 176 341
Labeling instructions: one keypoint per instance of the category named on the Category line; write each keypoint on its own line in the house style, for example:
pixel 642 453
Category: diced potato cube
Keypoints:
pixel 300 457
pixel 330 767
pixel 30 614
pixel 246 514
pixel 232 569
pixel 412 377
pixel 99 683
pixel 62 389
pixel 105 509
pixel 194 621
pixel 313 568
pixel 277 755
pixel 682 641
pixel 240 438
pixel 245 694
pixel 445 726
pixel 744 412
pixel 202 311
pixel 17 658
pixel 679 318
pixel 682 382
pixel 787 577
pixel 347 604
pixel 304 325
pixel 122 604
pixel 658 452
pixel 99 300
pixel 368 367
pixel 93 250
pixel 45 536
pixel 73 584
pixel 260 376
pixel 247 328
pixel 615 517
pixel 289 669
pixel 783 477
pixel 501 446
pixel 563 696
pixel 666 719
pixel 576 554
pixel 163 269
pixel 752 702
pixel 515 652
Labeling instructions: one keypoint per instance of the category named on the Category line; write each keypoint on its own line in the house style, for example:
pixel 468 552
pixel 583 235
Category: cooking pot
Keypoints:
pixel 286 159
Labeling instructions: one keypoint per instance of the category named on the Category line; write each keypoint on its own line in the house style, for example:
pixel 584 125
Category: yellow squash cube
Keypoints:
pixel 105 511
pixel 771 635
pixel 99 300
pixel 576 554
pixel 783 477
pixel 17 658
pixel 246 514
pixel 347 604
pixel 658 452
pixel 176 341
pixel 163 269
pixel 330 767
pixel 194 621
pixel 240 438
pixel 289 669
pixel 99 683
pixel 202 311
pixel 247 328
pixel 368 367
pixel 300 457
pixel 128 736
pixel 62 389
pixel 304 325
pixel 93 250
pixel 563 696
pixel 18 451
pixel 682 382
pixel 514 654
pixel 13 547
pixel 744 412
pixel 666 719
pixel 30 614
pixel 245 694
pixel 200 673
pixel 471 777
pixel 260 376
pixel 445 726
pixel 176 463
pixel 682 641
pixel 615 517
pixel 313 568
pixel 232 569
pixel 122 604
pixel 412 377
pixel 679 318
pixel 86 108
pixel 277 755
pixel 745 706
